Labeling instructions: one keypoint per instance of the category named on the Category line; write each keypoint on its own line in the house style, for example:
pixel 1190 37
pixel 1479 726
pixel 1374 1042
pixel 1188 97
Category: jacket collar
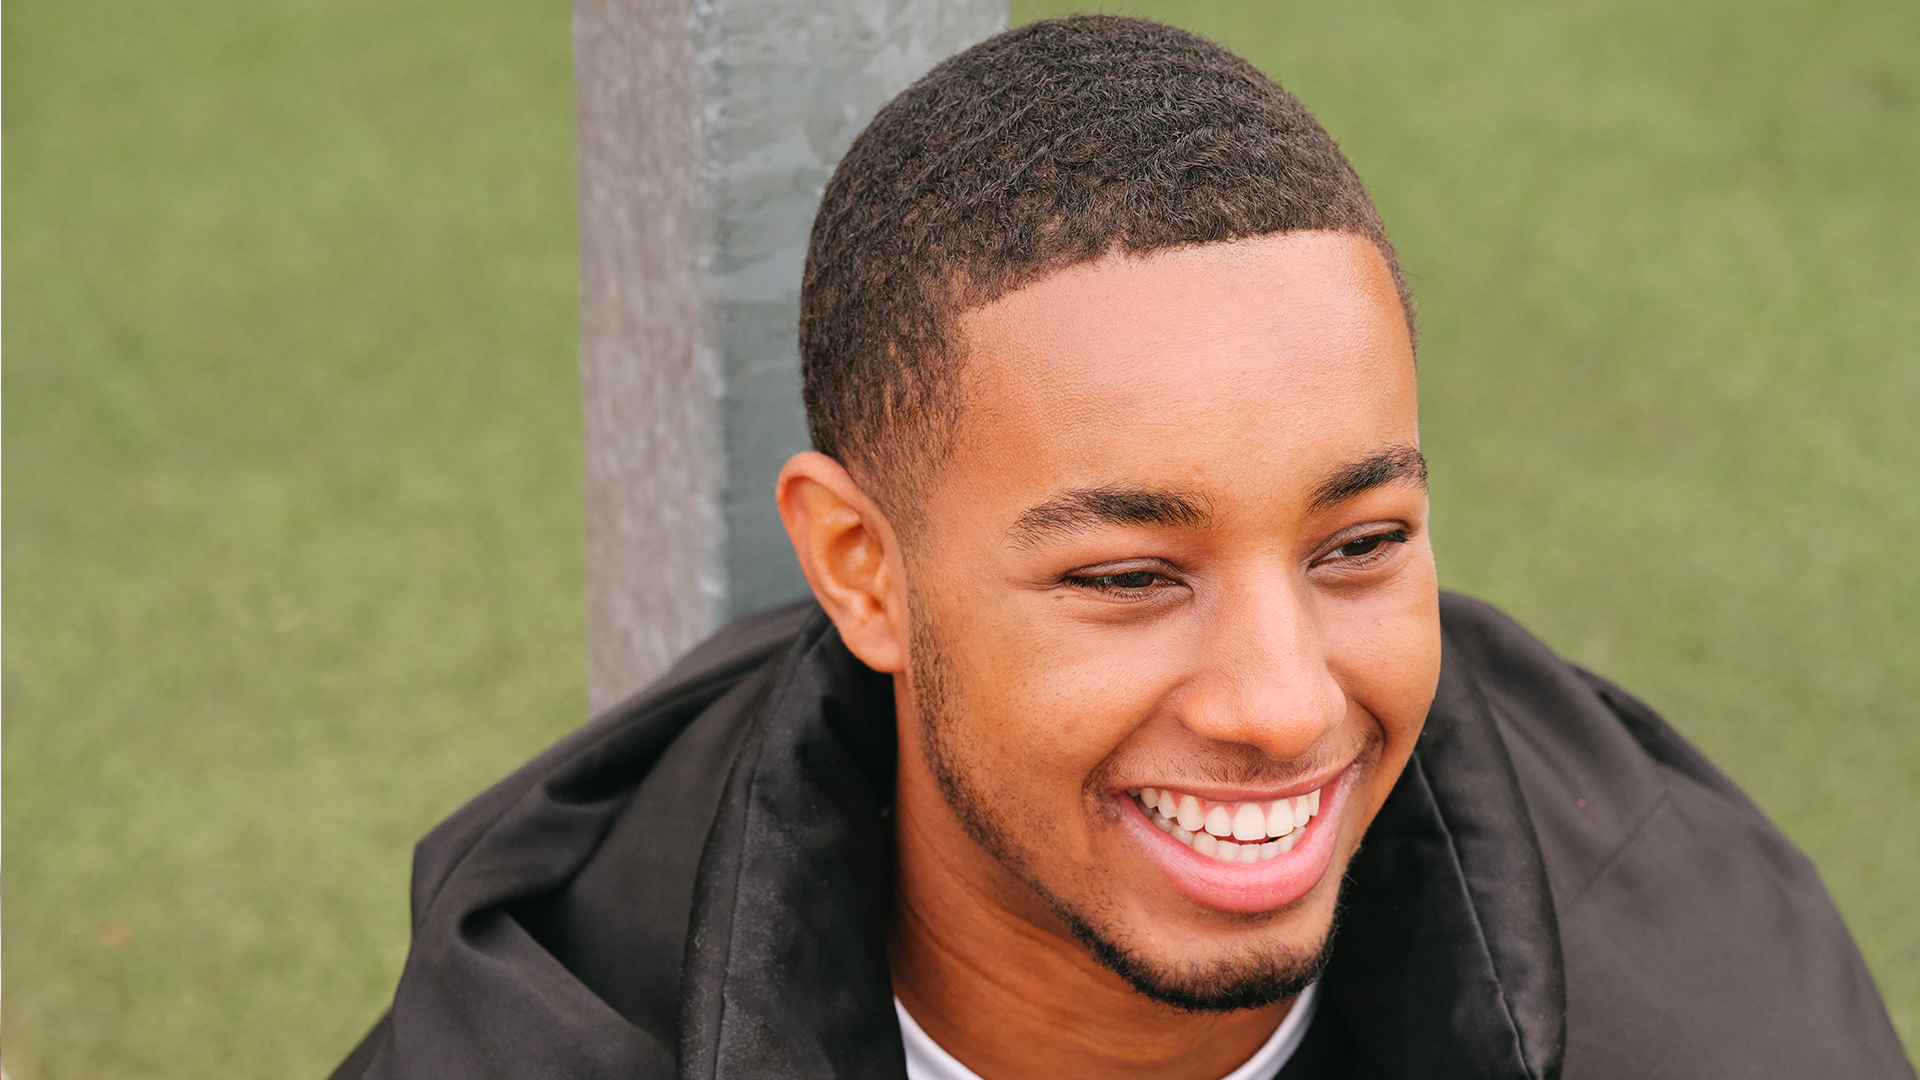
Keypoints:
pixel 1447 959
pixel 786 966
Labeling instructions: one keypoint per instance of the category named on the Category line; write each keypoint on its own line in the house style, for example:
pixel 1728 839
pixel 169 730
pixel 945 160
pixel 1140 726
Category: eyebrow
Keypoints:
pixel 1086 509
pixel 1393 465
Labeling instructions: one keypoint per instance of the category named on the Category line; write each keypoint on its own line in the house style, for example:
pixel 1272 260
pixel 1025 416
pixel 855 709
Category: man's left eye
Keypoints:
pixel 1368 545
pixel 1129 581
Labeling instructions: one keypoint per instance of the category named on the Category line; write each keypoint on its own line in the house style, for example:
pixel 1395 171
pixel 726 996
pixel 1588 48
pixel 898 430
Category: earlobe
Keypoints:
pixel 850 555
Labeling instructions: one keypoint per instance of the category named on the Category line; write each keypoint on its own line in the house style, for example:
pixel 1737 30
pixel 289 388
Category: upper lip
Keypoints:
pixel 1232 795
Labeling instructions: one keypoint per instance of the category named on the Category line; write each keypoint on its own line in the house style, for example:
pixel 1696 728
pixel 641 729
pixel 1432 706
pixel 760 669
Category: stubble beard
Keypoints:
pixel 1247 980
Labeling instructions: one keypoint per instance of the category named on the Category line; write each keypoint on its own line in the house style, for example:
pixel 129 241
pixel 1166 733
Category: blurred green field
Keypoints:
pixel 292 502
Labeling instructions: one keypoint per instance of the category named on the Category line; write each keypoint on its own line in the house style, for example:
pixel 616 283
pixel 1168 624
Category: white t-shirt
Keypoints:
pixel 927 1061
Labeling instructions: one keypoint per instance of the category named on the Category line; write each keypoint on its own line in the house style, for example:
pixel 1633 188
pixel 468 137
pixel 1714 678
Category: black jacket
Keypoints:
pixel 696 884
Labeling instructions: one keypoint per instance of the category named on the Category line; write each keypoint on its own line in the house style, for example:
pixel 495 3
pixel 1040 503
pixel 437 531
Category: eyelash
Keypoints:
pixel 1106 583
pixel 1373 554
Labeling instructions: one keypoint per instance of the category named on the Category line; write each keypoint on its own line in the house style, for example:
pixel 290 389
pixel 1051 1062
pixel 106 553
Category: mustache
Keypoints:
pixel 1243 766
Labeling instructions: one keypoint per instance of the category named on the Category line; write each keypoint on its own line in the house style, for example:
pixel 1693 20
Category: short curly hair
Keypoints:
pixel 1041 148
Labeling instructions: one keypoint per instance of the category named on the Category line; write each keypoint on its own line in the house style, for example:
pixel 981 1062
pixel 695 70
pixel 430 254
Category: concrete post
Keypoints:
pixel 707 129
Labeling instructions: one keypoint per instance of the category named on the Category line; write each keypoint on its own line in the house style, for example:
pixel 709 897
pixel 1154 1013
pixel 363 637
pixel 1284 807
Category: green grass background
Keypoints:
pixel 292 557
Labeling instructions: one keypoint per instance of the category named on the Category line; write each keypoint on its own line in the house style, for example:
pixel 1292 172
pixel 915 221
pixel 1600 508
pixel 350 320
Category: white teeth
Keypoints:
pixel 1220 821
pixel 1191 819
pixel 1230 832
pixel 1280 818
pixel 1249 823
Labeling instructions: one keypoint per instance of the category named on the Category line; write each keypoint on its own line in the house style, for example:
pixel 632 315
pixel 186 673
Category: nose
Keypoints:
pixel 1263 676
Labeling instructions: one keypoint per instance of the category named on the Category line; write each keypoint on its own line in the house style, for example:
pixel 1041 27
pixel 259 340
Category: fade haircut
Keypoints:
pixel 1042 148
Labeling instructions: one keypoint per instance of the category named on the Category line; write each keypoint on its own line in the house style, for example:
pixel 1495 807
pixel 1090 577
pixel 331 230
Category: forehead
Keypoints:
pixel 1257 362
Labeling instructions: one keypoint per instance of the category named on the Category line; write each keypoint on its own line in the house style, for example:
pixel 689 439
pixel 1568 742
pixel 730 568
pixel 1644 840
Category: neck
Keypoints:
pixel 994 977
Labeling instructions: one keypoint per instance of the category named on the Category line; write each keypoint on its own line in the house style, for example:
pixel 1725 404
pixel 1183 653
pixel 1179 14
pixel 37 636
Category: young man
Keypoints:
pixel 1129 734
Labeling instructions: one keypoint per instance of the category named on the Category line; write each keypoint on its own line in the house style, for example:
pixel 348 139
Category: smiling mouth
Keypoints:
pixel 1243 832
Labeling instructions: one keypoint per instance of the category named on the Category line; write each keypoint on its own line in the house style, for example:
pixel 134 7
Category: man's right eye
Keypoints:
pixel 1129 584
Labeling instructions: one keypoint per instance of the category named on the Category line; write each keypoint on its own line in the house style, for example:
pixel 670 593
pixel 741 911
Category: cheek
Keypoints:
pixel 1045 707
pixel 1385 652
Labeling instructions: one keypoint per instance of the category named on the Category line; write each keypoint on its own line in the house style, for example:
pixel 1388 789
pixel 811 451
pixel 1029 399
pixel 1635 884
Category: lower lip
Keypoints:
pixel 1245 888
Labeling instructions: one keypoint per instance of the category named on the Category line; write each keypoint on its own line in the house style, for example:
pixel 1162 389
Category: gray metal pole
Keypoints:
pixel 707 129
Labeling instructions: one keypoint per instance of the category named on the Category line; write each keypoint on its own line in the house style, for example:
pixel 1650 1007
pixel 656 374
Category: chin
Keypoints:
pixel 1248 973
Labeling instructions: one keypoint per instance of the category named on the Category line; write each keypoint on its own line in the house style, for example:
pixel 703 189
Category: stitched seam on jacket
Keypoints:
pixel 1620 850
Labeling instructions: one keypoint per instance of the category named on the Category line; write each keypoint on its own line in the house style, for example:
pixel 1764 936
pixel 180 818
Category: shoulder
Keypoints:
pixel 1697 940
pixel 525 942
pixel 633 732
pixel 1598 767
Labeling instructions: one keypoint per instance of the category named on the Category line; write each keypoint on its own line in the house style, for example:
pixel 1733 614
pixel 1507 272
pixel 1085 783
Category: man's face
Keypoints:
pixel 1175 572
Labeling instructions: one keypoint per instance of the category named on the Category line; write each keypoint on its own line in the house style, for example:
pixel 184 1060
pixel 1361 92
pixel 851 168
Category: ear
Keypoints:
pixel 850 555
